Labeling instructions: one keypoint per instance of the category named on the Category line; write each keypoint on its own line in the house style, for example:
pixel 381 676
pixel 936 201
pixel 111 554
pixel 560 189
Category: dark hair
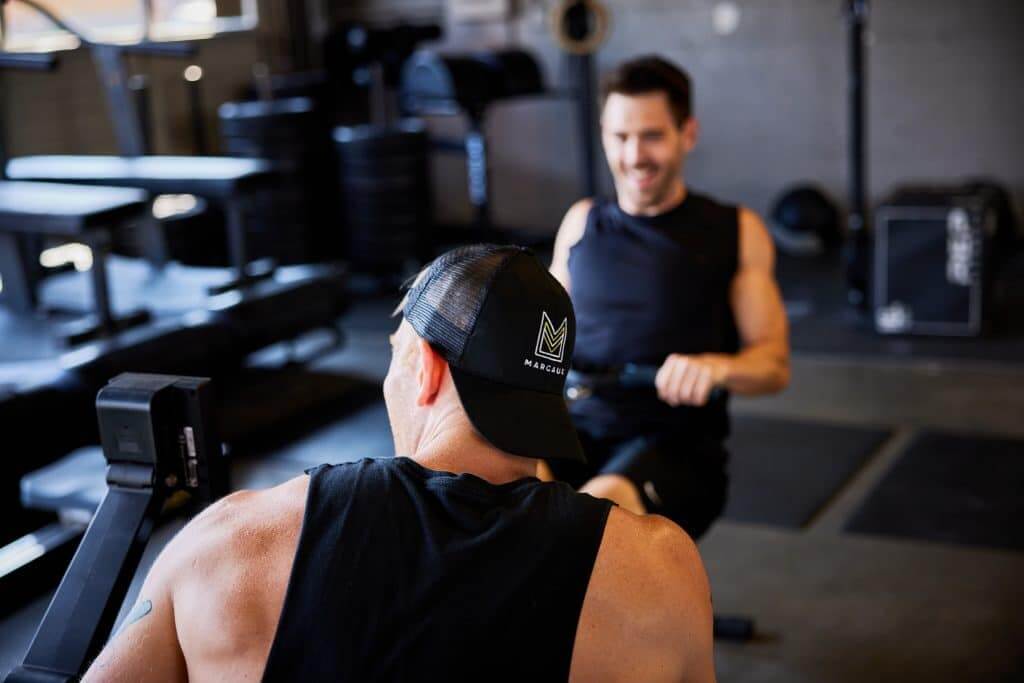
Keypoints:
pixel 650 74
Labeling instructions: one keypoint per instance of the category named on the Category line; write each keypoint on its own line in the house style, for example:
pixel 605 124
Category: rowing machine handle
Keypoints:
pixel 634 375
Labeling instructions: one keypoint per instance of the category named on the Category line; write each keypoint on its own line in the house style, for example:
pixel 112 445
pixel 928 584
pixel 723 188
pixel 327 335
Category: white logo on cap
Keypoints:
pixel 551 341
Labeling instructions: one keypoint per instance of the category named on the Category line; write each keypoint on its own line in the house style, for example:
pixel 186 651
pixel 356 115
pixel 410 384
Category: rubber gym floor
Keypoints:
pixel 912 598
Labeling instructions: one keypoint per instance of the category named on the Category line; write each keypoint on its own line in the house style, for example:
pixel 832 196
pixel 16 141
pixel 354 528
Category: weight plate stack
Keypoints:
pixel 293 223
pixel 384 177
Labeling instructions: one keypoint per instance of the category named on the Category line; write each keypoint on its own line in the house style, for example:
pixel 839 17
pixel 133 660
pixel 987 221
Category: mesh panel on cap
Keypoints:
pixel 443 303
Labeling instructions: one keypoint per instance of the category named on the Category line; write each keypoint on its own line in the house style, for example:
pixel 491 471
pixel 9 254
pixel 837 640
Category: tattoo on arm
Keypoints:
pixel 141 610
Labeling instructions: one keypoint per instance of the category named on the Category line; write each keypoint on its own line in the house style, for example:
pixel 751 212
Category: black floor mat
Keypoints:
pixel 951 488
pixel 783 471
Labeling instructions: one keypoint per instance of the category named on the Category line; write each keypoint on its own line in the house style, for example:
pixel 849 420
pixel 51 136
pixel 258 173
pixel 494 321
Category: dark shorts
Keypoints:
pixel 681 477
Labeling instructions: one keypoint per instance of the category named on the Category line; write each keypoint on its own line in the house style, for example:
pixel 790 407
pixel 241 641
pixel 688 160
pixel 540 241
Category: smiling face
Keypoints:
pixel 645 149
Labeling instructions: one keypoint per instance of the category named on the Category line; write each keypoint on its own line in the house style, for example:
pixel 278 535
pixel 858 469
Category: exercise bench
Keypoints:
pixel 226 181
pixel 89 215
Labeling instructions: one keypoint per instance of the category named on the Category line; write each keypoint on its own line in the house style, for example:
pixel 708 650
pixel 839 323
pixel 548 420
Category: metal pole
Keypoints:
pixel 138 85
pixel 127 129
pixel 3 98
pixel 857 220
pixel 3 24
pixel 581 73
pixel 195 106
pixel 582 69
pixel 3 132
pixel 147 20
pixel 379 112
pixel 298 22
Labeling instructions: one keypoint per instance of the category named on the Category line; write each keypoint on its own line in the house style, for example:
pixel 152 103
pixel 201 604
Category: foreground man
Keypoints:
pixel 452 564
pixel 665 277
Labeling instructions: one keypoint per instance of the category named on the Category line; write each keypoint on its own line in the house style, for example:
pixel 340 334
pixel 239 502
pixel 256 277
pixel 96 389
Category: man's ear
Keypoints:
pixel 429 373
pixel 691 130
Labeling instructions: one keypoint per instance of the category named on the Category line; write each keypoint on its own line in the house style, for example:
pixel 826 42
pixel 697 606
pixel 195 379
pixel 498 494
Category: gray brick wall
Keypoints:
pixel 945 92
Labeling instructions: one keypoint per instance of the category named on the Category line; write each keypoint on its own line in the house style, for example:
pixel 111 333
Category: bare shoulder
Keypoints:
pixel 666 576
pixel 662 552
pixel 647 613
pixel 238 524
pixel 580 207
pixel 204 601
pixel 757 250
pixel 569 233
pixel 651 566
pixel 249 507
pixel 575 221
pixel 230 569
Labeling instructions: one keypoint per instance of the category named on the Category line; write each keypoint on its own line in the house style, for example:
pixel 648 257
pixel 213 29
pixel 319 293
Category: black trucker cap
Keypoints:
pixel 506 328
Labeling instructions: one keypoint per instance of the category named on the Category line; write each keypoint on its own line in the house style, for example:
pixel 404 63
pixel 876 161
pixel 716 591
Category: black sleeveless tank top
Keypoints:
pixel 644 287
pixel 407 574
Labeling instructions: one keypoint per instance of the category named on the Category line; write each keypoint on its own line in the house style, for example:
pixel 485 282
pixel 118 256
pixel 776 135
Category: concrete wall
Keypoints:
pixel 65 112
pixel 945 92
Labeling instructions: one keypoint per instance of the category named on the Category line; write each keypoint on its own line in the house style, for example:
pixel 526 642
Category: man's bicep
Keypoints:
pixel 756 301
pixel 146 645
pixel 758 309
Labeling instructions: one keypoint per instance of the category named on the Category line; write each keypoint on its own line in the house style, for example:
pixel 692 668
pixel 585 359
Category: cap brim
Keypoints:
pixel 531 424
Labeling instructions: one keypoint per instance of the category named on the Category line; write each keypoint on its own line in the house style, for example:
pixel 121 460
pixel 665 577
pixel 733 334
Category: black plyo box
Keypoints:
pixel 932 254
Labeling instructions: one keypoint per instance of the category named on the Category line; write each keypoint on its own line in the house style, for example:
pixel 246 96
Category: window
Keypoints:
pixel 122 21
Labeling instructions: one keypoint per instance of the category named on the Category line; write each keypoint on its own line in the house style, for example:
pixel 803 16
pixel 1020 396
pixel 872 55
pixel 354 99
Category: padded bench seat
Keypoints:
pixel 65 210
pixel 85 214
pixel 210 177
pixel 226 180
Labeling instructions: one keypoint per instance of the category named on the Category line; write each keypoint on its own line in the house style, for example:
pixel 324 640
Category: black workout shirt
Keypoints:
pixel 408 574
pixel 644 287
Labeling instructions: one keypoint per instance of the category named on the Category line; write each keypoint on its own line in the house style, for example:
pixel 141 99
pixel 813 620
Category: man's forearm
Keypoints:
pixel 753 371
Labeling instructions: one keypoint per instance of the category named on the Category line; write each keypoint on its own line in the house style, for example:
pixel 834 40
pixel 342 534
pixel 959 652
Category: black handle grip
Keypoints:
pixel 634 375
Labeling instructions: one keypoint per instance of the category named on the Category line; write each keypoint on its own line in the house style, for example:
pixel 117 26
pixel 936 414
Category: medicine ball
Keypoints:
pixel 804 222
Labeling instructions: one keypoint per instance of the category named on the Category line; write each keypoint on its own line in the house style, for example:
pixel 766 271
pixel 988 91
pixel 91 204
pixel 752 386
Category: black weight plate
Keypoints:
pixel 248 117
pixel 368 142
pixel 385 203
pixel 386 165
